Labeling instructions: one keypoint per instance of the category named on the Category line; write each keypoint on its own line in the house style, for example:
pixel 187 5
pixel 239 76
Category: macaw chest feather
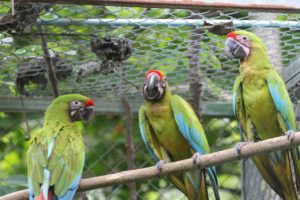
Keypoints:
pixel 259 105
pixel 164 125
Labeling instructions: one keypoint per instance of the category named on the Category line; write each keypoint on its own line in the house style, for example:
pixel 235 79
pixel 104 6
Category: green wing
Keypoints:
pixel 281 100
pixel 148 135
pixel 36 162
pixel 189 125
pixel 155 148
pixel 238 106
pixel 236 96
pixel 191 129
pixel 286 116
pixel 62 156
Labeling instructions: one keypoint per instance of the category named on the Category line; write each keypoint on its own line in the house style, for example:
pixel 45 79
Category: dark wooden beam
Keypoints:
pixel 291 74
pixel 266 5
pixel 105 106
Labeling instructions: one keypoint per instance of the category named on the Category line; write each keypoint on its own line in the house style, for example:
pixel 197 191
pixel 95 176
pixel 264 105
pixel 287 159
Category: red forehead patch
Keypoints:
pixel 89 102
pixel 231 35
pixel 156 72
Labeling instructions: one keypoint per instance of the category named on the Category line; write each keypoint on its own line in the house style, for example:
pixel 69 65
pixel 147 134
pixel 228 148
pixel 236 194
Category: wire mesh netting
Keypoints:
pixel 159 38
pixel 105 147
pixel 104 51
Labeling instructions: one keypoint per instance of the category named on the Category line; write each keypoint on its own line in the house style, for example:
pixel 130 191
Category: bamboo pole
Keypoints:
pixel 217 158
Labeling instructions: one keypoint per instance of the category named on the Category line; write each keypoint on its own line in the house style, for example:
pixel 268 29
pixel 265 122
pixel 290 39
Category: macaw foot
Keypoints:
pixel 290 135
pixel 84 196
pixel 238 148
pixel 159 166
pixel 196 158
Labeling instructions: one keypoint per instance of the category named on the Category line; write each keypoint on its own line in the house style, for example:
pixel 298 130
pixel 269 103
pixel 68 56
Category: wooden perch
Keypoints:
pixel 147 173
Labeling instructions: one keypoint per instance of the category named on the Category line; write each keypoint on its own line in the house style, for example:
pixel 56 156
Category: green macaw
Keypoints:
pixel 264 110
pixel 171 131
pixel 55 157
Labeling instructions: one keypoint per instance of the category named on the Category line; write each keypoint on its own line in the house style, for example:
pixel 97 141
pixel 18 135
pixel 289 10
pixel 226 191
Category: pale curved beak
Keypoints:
pixel 85 113
pixel 234 49
pixel 151 87
pixel 88 114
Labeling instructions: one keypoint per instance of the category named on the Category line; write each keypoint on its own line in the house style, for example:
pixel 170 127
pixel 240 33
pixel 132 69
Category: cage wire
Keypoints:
pixel 104 52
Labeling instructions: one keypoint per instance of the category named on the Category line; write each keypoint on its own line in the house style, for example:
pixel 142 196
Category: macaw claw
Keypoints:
pixel 238 148
pixel 196 158
pixel 159 166
pixel 290 135
pixel 84 196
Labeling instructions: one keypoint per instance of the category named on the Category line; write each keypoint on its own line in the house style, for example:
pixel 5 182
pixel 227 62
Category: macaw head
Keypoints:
pixel 155 85
pixel 71 107
pixel 240 44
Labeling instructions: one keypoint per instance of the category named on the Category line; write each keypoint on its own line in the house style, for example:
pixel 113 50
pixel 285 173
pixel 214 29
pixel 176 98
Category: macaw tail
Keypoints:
pixel 212 174
pixel 195 185
pixel 296 166
pixel 49 197
pixel 276 169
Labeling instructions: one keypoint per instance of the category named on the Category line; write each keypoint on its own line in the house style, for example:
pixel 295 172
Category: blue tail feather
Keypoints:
pixel 211 171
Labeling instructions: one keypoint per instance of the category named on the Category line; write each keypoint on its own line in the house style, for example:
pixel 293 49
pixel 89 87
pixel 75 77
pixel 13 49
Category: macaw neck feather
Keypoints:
pixel 58 113
pixel 258 59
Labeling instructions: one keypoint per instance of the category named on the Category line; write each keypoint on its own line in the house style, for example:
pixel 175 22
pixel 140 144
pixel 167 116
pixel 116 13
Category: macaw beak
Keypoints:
pixel 152 81
pixel 88 114
pixel 83 113
pixel 153 89
pixel 234 49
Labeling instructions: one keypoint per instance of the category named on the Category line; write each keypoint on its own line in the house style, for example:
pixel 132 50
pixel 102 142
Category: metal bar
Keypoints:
pixel 169 22
pixel 105 106
pixel 266 5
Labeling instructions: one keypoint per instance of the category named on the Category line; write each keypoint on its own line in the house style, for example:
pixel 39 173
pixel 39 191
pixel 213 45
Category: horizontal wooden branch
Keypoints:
pixel 147 173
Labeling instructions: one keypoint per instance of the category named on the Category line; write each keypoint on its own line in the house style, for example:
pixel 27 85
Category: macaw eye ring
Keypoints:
pixel 75 104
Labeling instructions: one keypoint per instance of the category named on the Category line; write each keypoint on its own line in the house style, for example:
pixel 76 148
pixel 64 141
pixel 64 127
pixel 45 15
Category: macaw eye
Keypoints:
pixel 245 38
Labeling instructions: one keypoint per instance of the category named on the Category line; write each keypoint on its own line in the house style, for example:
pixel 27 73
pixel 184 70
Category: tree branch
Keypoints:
pixel 129 145
pixel 278 143
pixel 49 61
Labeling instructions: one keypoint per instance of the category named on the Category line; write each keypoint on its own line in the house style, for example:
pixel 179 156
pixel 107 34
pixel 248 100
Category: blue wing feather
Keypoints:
pixel 234 95
pixel 281 104
pixel 180 109
pixel 71 191
pixel 190 134
pixel 31 193
pixel 142 124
